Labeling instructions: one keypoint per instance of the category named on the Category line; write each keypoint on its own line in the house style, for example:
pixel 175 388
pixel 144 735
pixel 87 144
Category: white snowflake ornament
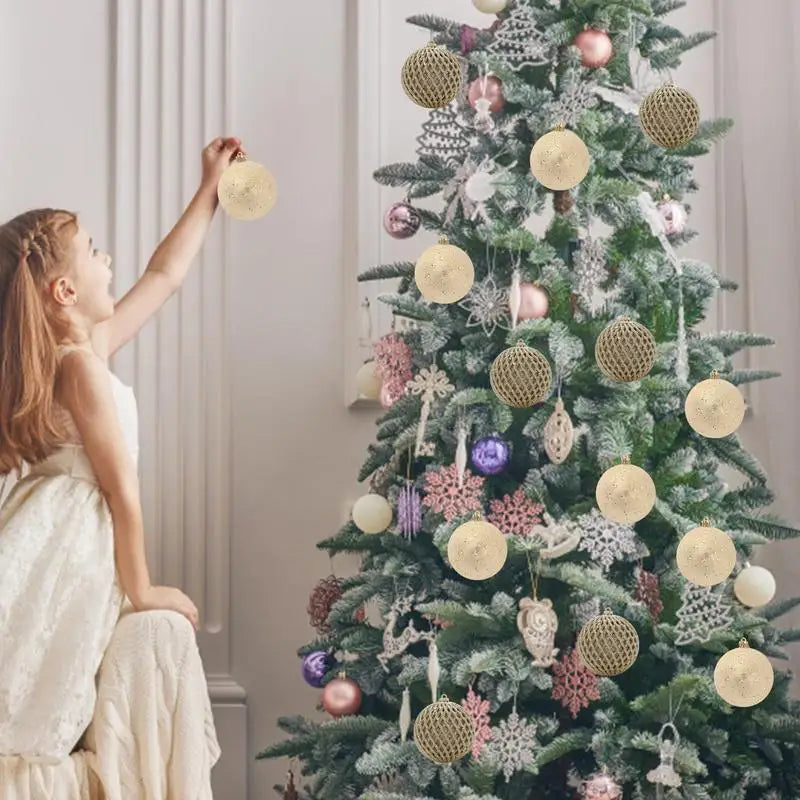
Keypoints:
pixel 570 105
pixel 590 268
pixel 487 304
pixel 513 745
pixel 604 540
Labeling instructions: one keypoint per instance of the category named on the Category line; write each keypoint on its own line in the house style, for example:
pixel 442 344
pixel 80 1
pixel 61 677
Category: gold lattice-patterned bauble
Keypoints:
pixel 444 273
pixel 625 493
pixel 669 116
pixel 743 677
pixel 247 190
pixel 706 555
pixel 559 159
pixel 521 376
pixel 714 407
pixel 444 731
pixel 625 350
pixel 477 549
pixel 608 644
pixel 431 76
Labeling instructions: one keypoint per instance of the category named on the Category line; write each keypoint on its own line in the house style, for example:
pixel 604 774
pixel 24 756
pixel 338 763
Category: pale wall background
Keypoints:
pixel 250 452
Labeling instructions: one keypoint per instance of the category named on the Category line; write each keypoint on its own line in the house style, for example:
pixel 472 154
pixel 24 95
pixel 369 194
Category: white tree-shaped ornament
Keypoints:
pixel 519 42
pixel 703 612
pixel 444 136
pixel 429 384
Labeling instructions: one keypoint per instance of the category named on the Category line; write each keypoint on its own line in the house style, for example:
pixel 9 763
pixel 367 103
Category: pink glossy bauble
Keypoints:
pixel 533 301
pixel 401 220
pixel 491 88
pixel 595 47
pixel 341 696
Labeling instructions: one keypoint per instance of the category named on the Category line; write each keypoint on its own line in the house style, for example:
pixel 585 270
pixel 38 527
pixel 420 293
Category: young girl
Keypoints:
pixel 71 538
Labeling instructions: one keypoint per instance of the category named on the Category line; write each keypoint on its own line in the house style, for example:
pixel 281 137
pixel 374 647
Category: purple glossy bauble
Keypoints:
pixel 401 220
pixel 491 455
pixel 315 666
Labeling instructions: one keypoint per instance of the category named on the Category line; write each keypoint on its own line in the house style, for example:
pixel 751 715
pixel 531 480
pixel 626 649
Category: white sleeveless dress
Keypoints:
pixel 60 595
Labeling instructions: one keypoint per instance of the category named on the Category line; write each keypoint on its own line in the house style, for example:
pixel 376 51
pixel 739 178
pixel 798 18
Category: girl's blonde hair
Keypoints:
pixel 35 248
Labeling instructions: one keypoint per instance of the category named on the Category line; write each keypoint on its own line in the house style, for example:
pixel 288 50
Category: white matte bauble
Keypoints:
pixel 743 677
pixel 247 190
pixel 706 555
pixel 754 586
pixel 714 407
pixel 480 187
pixel 490 6
pixel 625 493
pixel 372 513
pixel 368 384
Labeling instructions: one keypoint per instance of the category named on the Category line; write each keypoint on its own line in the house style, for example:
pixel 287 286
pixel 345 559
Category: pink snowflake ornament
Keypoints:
pixel 445 496
pixel 648 591
pixel 573 684
pixel 478 709
pixel 515 514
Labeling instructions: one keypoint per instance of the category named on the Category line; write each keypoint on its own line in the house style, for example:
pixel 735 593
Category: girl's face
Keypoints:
pixel 84 289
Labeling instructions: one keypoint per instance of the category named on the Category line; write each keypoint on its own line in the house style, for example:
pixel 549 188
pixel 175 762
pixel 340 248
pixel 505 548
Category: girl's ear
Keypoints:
pixel 63 292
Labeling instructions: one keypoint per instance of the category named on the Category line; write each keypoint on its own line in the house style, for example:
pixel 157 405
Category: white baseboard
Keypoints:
pixel 229 704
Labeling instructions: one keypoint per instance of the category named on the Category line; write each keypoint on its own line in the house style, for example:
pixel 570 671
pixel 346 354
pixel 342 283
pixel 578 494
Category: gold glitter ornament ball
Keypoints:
pixel 477 549
pixel 247 190
pixel 706 555
pixel 443 731
pixel 743 677
pixel 431 76
pixel 669 116
pixel 559 159
pixel 625 493
pixel 521 376
pixel 625 350
pixel 608 644
pixel 714 407
pixel 444 273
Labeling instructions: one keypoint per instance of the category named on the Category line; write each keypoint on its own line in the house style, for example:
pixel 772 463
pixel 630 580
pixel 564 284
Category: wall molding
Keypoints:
pixel 172 76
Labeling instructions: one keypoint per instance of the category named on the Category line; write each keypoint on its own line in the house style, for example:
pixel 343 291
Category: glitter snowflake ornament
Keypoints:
pixel 409 511
pixel 519 43
pixel 478 708
pixel 573 684
pixel 703 613
pixel 605 541
pixel 487 304
pixel 514 744
pixel 444 495
pixel 648 591
pixel 576 98
pixel 590 268
pixel 515 514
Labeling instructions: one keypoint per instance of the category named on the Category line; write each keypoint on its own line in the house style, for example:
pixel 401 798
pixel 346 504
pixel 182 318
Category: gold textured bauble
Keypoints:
pixel 372 513
pixel 608 644
pixel 431 76
pixel 444 273
pixel 247 190
pixel 444 731
pixel 743 677
pixel 706 555
pixel 625 350
pixel 625 493
pixel 559 159
pixel 669 116
pixel 477 549
pixel 368 384
pixel 714 407
pixel 521 376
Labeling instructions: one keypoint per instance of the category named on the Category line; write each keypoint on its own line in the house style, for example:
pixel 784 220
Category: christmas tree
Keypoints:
pixel 544 723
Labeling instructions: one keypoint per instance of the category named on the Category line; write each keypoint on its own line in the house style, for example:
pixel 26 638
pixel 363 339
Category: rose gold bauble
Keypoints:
pixel 341 696
pixel 491 88
pixel 595 47
pixel 533 301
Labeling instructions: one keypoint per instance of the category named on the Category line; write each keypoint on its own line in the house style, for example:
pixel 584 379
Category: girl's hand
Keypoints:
pixel 217 155
pixel 170 599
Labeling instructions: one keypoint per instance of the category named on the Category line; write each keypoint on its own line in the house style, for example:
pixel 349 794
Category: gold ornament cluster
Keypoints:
pixel 431 76
pixel 521 376
pixel 608 644
pixel 669 116
pixel 444 731
pixel 625 350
